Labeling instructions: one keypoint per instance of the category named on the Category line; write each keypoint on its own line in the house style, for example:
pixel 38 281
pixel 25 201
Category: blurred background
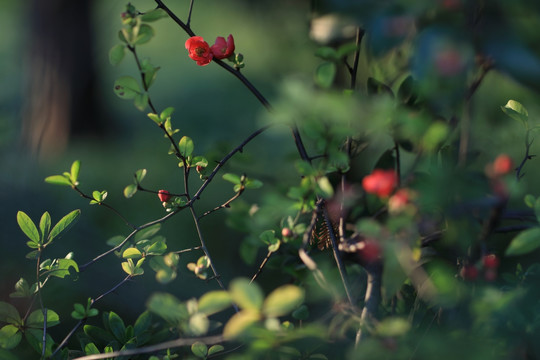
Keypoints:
pixel 57 105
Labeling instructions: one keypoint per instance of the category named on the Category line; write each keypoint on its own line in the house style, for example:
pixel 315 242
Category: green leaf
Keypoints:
pixel 524 243
pixel 157 248
pixel 61 269
pixel 165 114
pixel 537 209
pixel 327 53
pixel 130 190
pixel 58 180
pixel 91 349
pixel 132 253
pixel 22 289
pixel 168 307
pixel 392 327
pixel 199 349
pixel 253 184
pixel 347 49
pixel 35 339
pixel 116 54
pixel 301 313
pixel 28 227
pixel 64 224
pixel 198 324
pixel 36 319
pixel 147 233
pixel 146 32
pixel 139 175
pixel 240 324
pixel 117 327
pixel 283 300
pixel 325 187
pixel 45 225
pixel 9 314
pixel 214 301
pixel 233 178
pixel 10 337
pixel 155 118
pixel 214 349
pixel 126 87
pixel 185 146
pixel 141 101
pixel 154 15
pixel 247 295
pixel 143 323
pixel 325 74
pixel 376 87
pixel 529 200
pixel 74 171
pixel 516 111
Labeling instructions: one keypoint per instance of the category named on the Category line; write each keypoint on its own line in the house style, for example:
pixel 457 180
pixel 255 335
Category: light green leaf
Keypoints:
pixel 392 327
pixel 148 232
pixel 36 319
pixel 283 300
pixel 233 178
pixel 61 269
pixel 168 307
pixel 253 184
pixel 139 175
pixel 240 323
pixel 116 54
pixel 247 295
pixel 45 225
pixel 185 146
pixel 215 349
pixel 132 253
pixel 326 189
pixel 529 200
pixel 155 118
pixel 28 227
pixel 10 337
pixel 153 15
pixel 146 32
pixel 166 113
pixel 130 190
pixel 199 349
pixel 64 224
pixel 198 324
pixel 516 111
pixel 74 172
pixel 524 243
pixel 91 349
pixel 214 301
pixel 126 87
pixel 58 180
pixel 141 101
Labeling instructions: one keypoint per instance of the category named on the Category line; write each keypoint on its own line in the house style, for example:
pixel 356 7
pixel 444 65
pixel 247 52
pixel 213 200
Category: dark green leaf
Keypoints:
pixel 146 32
pixel 154 15
pixel 142 323
pixel 199 349
pixel 327 53
pixel 36 319
pixel 22 289
pixel 9 314
pixel 376 87
pixel 168 307
pixel 116 54
pixel 117 327
pixel 126 87
pixel 91 349
pixel 347 49
pixel 35 339
pixel 325 74
pixel 147 233
pixel 524 243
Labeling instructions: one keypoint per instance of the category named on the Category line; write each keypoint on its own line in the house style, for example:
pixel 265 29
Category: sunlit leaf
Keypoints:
pixel 10 337
pixel 214 301
pixel 58 180
pixel 64 224
pixel 28 227
pixel 246 295
pixel 240 324
pixel 524 243
pixel 283 300
pixel 185 146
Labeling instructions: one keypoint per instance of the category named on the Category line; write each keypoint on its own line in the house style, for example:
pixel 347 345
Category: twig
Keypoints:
pixel 155 348
pixel 259 270
pixel 226 204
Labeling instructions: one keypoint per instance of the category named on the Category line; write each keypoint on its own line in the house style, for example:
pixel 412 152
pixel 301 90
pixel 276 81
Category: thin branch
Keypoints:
pixel 259 270
pixel 155 348
pixel 354 70
pixel 226 204
pixel 189 14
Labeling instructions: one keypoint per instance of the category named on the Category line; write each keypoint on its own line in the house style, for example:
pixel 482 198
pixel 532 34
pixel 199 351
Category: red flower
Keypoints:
pixel 164 195
pixel 469 272
pixel 223 49
pixel 199 50
pixel 503 165
pixel 491 261
pixel 380 182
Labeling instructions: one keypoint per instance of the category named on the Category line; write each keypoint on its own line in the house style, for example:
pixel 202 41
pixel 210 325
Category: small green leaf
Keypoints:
pixel 214 301
pixel 325 187
pixel 283 300
pixel 199 349
pixel 64 224
pixel 139 175
pixel 9 314
pixel 240 323
pixel 147 232
pixel 91 349
pixel 325 74
pixel 116 54
pixel 168 307
pixel 165 114
pixel 127 87
pixel 143 323
pixel 524 243
pixel 155 118
pixel 132 253
pixel 10 337
pixel 185 146
pixel 117 327
pixel 154 15
pixel 327 53
pixel 128 267
pixel 233 178
pixel 45 225
pixel 529 200
pixel 130 190
pixel 392 327
pixel 28 227
pixel 74 172
pixel 253 184
pixel 247 295
pixel 516 111
pixel 58 180
pixel 347 49
pixel 141 101
pixel 22 289
pixel 62 266
pixel 36 319
pixel 214 349
pixel 146 32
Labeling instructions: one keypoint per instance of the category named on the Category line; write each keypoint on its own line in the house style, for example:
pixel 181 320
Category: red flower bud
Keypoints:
pixel 286 233
pixel 491 261
pixel 164 195
pixel 199 50
pixel 469 272
pixel 223 49
pixel 380 182
pixel 503 165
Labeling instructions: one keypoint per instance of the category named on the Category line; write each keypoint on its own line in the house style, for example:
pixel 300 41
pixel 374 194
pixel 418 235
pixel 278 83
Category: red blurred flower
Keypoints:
pixel 491 261
pixel 380 182
pixel 469 272
pixel 223 49
pixel 370 250
pixel 503 165
pixel 199 50
pixel 164 195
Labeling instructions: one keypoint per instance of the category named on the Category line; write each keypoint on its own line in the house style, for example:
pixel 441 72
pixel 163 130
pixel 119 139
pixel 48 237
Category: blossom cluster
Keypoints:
pixel 202 53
